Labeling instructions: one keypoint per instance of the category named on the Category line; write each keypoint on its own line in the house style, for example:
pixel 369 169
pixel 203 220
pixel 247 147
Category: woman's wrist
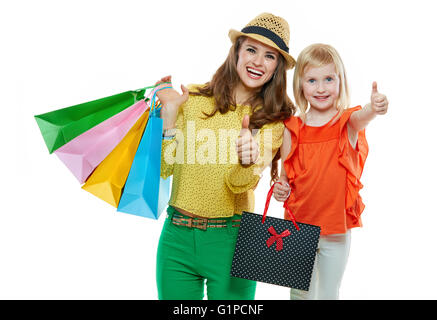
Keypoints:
pixel 168 118
pixel 168 123
pixel 168 126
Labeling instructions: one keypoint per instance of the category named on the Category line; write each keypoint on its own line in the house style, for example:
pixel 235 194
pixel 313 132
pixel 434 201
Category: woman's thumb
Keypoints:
pixel 245 123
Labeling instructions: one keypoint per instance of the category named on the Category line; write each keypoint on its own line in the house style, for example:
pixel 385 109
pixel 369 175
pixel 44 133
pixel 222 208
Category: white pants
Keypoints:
pixel 329 265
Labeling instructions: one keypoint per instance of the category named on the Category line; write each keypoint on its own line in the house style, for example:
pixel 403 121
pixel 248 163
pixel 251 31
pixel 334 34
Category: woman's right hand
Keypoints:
pixel 281 190
pixel 171 100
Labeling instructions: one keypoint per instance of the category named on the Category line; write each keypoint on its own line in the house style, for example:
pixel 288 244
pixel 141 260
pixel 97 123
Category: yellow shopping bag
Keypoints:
pixel 108 179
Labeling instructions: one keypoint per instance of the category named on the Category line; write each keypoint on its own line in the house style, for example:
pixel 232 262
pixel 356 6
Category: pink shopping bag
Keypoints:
pixel 85 152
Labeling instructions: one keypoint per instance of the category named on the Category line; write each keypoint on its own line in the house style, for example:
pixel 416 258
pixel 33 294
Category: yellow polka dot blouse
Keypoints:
pixel 207 178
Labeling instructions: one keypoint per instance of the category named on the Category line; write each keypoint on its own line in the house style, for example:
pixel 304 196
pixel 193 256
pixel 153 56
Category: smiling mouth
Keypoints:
pixel 254 73
pixel 321 97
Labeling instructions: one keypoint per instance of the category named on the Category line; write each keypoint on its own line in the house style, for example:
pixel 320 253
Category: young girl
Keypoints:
pixel 323 154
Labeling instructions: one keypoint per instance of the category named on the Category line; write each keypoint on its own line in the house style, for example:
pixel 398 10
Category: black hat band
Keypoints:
pixel 268 34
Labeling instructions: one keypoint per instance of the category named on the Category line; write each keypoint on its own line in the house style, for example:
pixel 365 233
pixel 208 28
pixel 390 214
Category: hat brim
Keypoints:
pixel 234 35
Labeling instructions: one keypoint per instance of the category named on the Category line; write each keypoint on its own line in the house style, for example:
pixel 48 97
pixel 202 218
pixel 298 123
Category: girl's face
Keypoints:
pixel 256 63
pixel 321 87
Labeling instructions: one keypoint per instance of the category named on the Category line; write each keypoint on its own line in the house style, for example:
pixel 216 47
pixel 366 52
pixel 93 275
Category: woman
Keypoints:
pixel 213 182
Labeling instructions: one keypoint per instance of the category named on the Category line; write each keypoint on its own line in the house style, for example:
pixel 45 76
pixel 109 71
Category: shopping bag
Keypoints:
pixel 85 152
pixel 275 251
pixel 108 179
pixel 145 193
pixel 61 126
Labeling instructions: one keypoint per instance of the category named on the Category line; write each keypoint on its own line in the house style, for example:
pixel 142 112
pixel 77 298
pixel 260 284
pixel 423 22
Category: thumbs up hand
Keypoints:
pixel 247 147
pixel 378 101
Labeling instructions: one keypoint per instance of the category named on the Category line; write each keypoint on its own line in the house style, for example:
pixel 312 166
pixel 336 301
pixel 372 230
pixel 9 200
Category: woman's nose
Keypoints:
pixel 257 59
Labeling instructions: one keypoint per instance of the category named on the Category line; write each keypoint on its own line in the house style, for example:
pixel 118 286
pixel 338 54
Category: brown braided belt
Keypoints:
pixel 201 223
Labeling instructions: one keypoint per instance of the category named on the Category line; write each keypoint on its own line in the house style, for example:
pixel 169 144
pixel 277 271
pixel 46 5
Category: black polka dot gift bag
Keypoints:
pixel 276 251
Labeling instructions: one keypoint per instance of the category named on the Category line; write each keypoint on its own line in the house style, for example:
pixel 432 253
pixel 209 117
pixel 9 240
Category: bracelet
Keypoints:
pixel 169 133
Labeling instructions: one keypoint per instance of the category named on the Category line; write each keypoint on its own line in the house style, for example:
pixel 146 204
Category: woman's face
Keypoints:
pixel 256 63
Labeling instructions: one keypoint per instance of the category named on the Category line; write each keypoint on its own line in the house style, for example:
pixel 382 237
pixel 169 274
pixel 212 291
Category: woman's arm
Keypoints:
pixel 171 100
pixel 172 118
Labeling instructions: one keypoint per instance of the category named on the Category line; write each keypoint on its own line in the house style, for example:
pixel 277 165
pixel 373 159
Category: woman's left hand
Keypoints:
pixel 247 147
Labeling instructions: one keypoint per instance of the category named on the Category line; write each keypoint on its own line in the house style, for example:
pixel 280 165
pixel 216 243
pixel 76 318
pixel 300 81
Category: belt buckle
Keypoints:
pixel 200 224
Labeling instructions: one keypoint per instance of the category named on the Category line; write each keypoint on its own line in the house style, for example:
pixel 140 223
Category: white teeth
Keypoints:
pixel 255 71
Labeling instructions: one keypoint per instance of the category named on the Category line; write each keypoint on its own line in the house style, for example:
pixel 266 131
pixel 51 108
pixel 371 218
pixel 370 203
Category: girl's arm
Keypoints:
pixel 285 151
pixel 378 105
pixel 282 191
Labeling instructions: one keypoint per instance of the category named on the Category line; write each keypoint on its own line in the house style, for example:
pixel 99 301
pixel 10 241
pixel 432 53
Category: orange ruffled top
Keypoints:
pixel 324 172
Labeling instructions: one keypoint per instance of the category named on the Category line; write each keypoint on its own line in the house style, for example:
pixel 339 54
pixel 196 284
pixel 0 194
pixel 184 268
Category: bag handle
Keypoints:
pixel 154 105
pixel 151 87
pixel 269 196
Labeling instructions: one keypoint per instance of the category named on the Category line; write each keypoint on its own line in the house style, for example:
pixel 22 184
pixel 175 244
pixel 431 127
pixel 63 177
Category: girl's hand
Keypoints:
pixel 378 101
pixel 171 100
pixel 281 190
pixel 247 147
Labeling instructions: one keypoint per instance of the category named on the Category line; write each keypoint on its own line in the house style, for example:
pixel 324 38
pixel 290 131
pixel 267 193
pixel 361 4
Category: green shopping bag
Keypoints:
pixel 60 126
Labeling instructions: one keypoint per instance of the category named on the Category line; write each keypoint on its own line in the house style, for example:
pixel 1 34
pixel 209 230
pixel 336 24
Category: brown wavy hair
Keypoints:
pixel 269 105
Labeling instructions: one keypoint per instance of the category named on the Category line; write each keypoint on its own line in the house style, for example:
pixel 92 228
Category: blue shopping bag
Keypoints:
pixel 145 193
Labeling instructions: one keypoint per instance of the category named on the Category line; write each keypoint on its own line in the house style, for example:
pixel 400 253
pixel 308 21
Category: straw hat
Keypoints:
pixel 270 30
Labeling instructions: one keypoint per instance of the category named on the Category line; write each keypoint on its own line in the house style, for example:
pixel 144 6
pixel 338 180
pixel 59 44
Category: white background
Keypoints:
pixel 59 242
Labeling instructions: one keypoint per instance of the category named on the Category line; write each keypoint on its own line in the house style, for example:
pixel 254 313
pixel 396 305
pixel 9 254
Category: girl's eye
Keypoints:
pixel 329 79
pixel 311 81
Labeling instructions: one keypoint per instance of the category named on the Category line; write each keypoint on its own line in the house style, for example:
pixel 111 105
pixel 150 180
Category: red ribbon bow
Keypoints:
pixel 277 238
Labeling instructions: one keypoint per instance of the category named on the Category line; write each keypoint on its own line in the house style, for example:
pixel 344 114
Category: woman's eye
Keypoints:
pixel 270 56
pixel 251 50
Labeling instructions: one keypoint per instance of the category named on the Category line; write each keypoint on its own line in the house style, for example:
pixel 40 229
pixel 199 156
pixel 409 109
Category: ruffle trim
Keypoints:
pixel 353 161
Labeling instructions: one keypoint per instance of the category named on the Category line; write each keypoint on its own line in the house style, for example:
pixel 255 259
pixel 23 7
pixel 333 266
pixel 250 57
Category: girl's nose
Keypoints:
pixel 321 87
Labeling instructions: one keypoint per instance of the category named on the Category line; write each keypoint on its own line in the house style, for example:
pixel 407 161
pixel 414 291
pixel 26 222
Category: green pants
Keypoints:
pixel 189 257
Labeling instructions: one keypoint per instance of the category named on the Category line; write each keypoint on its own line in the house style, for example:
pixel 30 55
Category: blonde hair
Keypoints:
pixel 315 56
